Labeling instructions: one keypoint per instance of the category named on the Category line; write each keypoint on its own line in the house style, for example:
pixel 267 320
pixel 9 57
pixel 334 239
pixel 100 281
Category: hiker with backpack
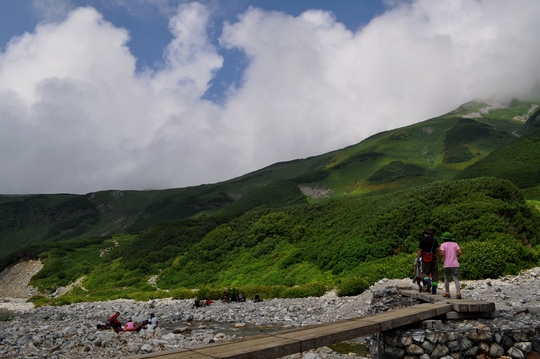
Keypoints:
pixel 427 252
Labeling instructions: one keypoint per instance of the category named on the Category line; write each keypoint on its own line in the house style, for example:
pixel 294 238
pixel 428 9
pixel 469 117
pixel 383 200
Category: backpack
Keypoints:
pixel 429 257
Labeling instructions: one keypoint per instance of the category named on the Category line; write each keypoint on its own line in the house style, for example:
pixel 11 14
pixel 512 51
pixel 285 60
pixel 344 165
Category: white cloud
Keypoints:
pixel 76 116
pixel 316 87
pixel 189 56
pixel 52 10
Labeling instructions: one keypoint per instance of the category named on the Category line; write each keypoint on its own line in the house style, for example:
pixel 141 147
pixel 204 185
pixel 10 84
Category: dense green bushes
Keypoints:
pixel 339 238
pixel 281 193
pixel 519 162
pixel 396 170
pixel 165 241
pixel 352 286
pixel 494 258
pixel 467 134
pixel 303 250
pixel 66 261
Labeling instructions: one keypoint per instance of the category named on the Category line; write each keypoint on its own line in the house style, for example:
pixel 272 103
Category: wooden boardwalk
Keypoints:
pixel 461 308
pixel 294 341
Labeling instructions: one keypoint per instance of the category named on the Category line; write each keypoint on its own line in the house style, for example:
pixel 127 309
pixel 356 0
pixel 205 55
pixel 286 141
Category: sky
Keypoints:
pixel 152 94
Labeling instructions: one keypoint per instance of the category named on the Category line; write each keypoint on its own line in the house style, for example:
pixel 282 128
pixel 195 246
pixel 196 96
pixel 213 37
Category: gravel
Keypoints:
pixel 70 331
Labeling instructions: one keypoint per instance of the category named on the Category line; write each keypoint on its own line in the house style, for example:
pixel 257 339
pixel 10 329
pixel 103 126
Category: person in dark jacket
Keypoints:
pixel 427 251
pixel 115 323
pixel 225 298
pixel 256 298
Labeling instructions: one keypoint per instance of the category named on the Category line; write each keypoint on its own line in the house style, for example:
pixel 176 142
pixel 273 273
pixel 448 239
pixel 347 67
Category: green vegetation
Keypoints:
pixel 468 134
pixel 281 193
pixel 396 170
pixel 340 220
pixel 433 150
pixel 66 261
pixel 518 161
pixel 533 123
pixel 495 257
pixel 162 242
pixel 303 250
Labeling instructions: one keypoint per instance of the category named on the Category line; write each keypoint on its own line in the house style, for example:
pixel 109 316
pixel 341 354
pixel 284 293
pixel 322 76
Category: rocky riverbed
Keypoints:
pixel 70 331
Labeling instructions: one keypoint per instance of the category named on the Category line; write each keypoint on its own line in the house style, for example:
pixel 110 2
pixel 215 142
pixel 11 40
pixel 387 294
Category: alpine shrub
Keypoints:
pixel 352 286
pixel 500 255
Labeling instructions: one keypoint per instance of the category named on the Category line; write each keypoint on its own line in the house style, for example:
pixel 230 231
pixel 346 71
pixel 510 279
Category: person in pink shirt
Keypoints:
pixel 130 326
pixel 449 253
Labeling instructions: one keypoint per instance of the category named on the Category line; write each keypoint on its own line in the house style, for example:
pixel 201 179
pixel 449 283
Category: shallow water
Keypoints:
pixel 5 314
pixel 358 348
pixel 227 328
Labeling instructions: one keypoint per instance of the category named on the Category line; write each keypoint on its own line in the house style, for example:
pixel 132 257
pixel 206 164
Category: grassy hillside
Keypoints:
pixel 434 150
pixel 346 243
pixel 323 242
pixel 518 161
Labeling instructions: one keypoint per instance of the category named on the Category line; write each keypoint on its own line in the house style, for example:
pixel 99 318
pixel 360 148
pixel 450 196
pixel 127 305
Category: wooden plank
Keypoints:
pixel 472 306
pixel 405 316
pixel 267 347
pixel 472 315
pixel 528 309
pixel 459 305
pixel 173 354
pixel 331 333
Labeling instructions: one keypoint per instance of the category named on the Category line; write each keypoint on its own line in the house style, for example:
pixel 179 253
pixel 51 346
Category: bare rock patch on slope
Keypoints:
pixel 14 279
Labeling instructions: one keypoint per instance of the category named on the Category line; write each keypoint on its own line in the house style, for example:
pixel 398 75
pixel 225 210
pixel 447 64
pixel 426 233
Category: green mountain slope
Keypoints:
pixel 533 123
pixel 433 150
pixel 518 161
pixel 339 237
pixel 348 243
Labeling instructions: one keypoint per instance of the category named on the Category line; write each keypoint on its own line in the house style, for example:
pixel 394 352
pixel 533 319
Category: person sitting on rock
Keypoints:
pixel 196 303
pixel 141 326
pixel 115 323
pixel 153 320
pixel 225 298
pixel 241 297
pixel 256 298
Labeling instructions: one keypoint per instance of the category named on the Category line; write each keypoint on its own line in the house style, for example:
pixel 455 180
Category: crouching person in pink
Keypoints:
pixel 130 326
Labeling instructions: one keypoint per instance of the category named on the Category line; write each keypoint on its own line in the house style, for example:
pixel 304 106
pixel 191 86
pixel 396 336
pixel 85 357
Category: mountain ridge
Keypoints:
pixel 431 150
